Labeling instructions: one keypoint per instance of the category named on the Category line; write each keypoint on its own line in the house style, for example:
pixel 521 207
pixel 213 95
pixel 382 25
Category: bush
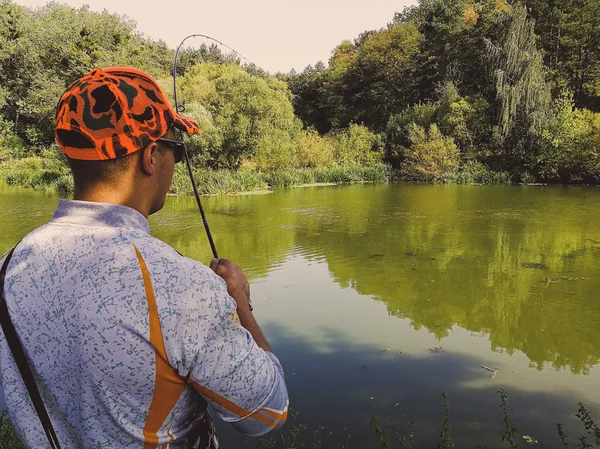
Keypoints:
pixel 47 172
pixel 462 118
pixel 358 146
pixel 210 137
pixel 570 146
pixel 473 172
pixel 431 153
pixel 10 144
pixel 275 150
pixel 314 151
pixel 396 137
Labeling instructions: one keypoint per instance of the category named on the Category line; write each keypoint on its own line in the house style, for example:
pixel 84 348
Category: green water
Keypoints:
pixel 355 285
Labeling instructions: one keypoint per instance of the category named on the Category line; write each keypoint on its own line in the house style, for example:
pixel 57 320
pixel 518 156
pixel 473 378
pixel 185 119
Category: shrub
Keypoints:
pixel 473 172
pixel 431 153
pixel 314 151
pixel 241 113
pixel 275 150
pixel 11 145
pixel 570 146
pixel 396 136
pixel 358 146
pixel 462 118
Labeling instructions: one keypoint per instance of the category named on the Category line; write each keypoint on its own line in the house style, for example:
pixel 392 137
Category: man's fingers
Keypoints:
pixel 214 264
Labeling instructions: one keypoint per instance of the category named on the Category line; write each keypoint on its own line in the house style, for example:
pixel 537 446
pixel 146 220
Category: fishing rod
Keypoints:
pixel 185 151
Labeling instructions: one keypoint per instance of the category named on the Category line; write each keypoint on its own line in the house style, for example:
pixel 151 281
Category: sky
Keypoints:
pixel 277 35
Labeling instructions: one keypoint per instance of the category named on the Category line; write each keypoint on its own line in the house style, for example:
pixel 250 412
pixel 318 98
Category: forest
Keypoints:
pixel 468 91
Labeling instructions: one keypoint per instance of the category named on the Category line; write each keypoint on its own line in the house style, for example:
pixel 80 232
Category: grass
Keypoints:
pixel 225 182
pixel 388 433
pixel 37 173
pixel 8 436
pixel 52 175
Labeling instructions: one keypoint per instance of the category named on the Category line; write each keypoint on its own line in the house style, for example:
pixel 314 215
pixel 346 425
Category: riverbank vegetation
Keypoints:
pixel 473 91
pixel 389 433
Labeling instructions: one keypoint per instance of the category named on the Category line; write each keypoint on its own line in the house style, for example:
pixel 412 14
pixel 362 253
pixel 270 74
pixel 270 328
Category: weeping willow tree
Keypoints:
pixel 518 77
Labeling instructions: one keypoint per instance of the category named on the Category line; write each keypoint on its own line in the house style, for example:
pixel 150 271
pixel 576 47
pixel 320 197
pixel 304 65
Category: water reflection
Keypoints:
pixel 518 264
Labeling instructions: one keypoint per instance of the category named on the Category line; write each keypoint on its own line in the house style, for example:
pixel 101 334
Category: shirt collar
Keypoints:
pixel 99 214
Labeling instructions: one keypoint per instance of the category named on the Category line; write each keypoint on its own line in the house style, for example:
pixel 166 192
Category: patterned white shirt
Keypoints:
pixel 128 340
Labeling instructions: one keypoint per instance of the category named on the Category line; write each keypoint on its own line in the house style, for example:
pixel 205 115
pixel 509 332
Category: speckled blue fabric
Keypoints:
pixel 77 297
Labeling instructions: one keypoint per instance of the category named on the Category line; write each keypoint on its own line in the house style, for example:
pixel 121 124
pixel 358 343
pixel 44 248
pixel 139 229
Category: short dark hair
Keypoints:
pixel 87 174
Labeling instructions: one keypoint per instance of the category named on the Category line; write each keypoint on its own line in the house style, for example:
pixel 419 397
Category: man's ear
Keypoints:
pixel 148 159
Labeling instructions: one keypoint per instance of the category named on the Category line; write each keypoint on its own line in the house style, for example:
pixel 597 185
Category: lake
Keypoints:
pixel 378 298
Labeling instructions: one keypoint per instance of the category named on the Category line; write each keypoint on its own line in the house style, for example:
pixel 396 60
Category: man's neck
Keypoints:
pixel 113 196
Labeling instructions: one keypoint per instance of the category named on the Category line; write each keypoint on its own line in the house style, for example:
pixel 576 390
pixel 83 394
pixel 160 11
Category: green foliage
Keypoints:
pixel 506 85
pixel 445 441
pixel 315 151
pixel 562 436
pixel 11 146
pixel 42 50
pixel 275 150
pixel 463 119
pixel 519 75
pixel 480 439
pixel 358 146
pixel 569 33
pixel 473 172
pixel 310 100
pixel 397 133
pixel 390 431
pixel 247 116
pixel 570 144
pixel 224 182
pixel 509 433
pixel 431 153
pixel 478 71
pixel 366 81
pixel 591 428
pixel 8 436
pixel 47 172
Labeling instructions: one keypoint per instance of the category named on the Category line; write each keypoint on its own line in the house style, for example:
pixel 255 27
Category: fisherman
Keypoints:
pixel 129 341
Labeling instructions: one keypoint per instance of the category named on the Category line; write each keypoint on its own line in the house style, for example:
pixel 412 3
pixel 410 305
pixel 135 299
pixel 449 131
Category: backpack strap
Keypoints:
pixel 19 354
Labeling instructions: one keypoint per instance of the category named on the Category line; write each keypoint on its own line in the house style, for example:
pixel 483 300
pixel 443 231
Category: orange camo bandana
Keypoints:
pixel 110 113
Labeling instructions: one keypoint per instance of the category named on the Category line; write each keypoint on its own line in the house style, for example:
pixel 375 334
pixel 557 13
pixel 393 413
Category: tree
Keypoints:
pixel 247 113
pixel 454 48
pixel 522 94
pixel 43 50
pixel 308 97
pixel 569 33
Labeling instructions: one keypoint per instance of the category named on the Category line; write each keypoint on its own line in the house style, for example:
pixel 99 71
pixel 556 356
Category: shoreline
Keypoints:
pixel 58 180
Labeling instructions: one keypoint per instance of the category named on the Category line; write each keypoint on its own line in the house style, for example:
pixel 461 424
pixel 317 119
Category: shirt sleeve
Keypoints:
pixel 243 383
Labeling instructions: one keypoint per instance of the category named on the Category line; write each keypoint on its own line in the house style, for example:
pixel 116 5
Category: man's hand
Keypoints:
pixel 237 284
pixel 239 289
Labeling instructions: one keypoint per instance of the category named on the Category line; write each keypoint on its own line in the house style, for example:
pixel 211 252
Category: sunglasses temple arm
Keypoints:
pixel 194 186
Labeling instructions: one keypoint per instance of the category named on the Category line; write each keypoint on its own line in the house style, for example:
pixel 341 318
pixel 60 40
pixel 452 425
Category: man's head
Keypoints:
pixel 118 131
